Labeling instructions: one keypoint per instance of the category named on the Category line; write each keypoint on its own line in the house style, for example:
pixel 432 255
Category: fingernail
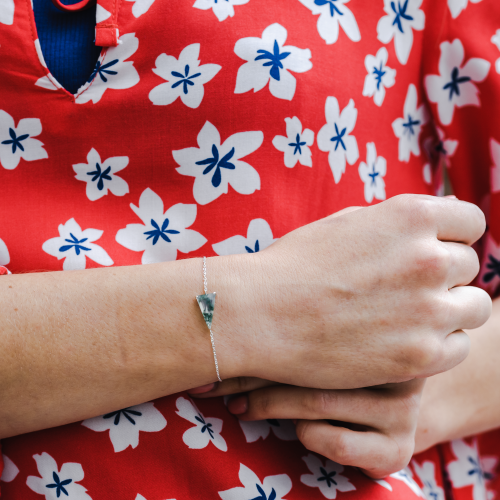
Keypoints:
pixel 238 405
pixel 202 389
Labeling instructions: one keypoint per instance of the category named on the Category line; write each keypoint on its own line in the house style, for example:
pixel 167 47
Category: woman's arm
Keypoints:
pixel 465 400
pixel 77 344
pixel 364 297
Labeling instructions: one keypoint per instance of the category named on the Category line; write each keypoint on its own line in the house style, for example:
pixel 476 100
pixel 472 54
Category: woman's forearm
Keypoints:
pixel 78 344
pixel 465 400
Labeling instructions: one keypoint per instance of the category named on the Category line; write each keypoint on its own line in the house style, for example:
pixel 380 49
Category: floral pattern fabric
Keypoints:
pixel 214 127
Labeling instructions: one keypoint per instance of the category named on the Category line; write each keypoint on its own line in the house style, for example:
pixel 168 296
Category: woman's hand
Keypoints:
pixel 373 428
pixel 364 297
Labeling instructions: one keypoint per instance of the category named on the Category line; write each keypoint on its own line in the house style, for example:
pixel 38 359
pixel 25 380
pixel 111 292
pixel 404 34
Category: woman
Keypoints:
pixel 270 109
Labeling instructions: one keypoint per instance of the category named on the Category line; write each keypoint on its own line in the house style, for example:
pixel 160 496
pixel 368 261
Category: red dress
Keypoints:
pixel 214 128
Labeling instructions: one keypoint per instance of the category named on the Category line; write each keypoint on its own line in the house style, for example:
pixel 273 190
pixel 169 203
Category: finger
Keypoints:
pixel 230 386
pixel 379 408
pixel 377 454
pixel 458 221
pixel 464 264
pixel 470 307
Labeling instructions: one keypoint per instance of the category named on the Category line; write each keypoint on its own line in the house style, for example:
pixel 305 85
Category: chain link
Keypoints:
pixel 205 288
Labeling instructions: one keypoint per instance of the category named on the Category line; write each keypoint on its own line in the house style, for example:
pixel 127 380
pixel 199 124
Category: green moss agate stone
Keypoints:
pixel 207 306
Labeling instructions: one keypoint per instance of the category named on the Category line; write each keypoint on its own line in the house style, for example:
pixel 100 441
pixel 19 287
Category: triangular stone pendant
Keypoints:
pixel 207 306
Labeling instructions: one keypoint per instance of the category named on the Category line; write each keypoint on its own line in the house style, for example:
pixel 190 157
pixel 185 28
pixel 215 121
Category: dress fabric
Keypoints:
pixel 214 128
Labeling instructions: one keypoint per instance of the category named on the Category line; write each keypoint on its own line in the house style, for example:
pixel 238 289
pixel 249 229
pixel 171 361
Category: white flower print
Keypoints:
pixel 403 16
pixel 334 137
pixel 215 166
pixel 327 477
pixel 332 14
pixel 124 425
pixel 140 7
pixel 185 77
pixel 101 14
pixel 221 8
pixel 161 234
pixel 296 144
pixel 100 176
pixel 457 6
pixel 408 128
pixel 372 173
pixel 17 142
pixel 471 470
pixel 259 237
pixel 454 85
pixel 272 488
pixel 113 71
pixel 406 476
pixel 496 40
pixel 270 60
pixel 7 11
pixel 282 429
pixel 379 76
pixel 444 147
pixel 4 254
pixel 10 470
pixel 206 429
pixel 55 483
pixel 427 475
pixel 74 246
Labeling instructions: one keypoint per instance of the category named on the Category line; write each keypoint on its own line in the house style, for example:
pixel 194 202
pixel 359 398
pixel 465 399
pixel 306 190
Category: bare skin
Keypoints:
pixel 367 296
pixel 465 400
pixel 382 427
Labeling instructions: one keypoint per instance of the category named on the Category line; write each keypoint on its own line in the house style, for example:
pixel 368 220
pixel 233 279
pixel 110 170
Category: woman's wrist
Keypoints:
pixel 236 322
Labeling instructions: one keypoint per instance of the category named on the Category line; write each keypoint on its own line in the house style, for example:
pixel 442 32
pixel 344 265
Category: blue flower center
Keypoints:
pixel 162 232
pixel 60 485
pixel 328 477
pixel 205 427
pixel 256 248
pixel 263 495
pixel 215 163
pixel 379 73
pixel 126 412
pixel 409 125
pixel 76 244
pixel 275 59
pixel 333 8
pixel 185 79
pixel 456 80
pixel 374 175
pixel 338 138
pixel 297 145
pixel 494 266
pixel 103 70
pixel 15 140
pixel 100 176
pixel 400 12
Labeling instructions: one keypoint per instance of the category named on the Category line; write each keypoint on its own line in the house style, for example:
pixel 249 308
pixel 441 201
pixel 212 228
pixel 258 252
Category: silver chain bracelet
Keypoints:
pixel 207 306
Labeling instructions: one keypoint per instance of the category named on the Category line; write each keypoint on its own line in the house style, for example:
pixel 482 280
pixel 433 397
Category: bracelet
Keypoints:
pixel 207 306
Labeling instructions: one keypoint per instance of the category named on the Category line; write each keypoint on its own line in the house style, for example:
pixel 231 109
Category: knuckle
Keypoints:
pixel 433 261
pixel 417 209
pixel 425 355
pixel 322 402
pixel 341 449
pixel 241 384
pixel 261 404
